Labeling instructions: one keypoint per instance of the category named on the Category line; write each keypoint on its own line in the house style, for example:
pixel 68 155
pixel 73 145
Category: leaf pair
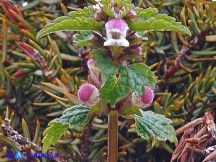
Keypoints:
pixel 149 125
pixel 148 19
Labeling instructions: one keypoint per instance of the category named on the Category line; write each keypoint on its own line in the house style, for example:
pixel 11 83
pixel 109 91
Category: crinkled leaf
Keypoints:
pixel 82 35
pixel 160 22
pixel 105 64
pixel 67 23
pixel 147 13
pixel 108 9
pixel 82 44
pixel 76 117
pixel 152 125
pixel 85 12
pixel 123 2
pixel 52 134
pixel 82 38
pixel 127 79
pixel 142 76
pixel 106 2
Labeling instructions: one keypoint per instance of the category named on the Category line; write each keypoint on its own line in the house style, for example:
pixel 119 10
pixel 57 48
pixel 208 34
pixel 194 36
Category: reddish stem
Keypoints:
pixel 113 136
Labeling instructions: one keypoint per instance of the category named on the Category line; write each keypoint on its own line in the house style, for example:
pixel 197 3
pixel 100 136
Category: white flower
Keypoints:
pixel 116 32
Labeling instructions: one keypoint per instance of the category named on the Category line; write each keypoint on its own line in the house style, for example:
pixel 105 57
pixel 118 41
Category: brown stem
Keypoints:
pixel 113 135
pixel 19 139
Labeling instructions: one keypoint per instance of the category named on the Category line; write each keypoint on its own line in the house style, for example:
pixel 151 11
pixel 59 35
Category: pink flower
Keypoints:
pixel 89 95
pixel 145 99
pixel 116 32
pixel 94 71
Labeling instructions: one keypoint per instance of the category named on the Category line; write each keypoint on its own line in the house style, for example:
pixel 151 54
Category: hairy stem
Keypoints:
pixel 113 136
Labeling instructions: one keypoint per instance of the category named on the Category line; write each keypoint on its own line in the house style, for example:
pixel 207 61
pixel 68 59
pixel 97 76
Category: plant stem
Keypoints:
pixel 113 136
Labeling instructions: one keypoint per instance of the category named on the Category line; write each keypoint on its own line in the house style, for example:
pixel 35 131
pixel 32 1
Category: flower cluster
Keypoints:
pixel 117 35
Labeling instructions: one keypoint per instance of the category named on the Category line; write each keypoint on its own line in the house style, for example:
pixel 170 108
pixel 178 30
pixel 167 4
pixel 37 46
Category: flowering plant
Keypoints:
pixel 119 83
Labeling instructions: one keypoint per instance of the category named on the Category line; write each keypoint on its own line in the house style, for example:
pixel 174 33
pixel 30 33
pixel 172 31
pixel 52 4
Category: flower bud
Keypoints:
pixel 99 14
pixel 89 95
pixel 131 13
pixel 94 71
pixel 138 50
pixel 116 32
pixel 145 99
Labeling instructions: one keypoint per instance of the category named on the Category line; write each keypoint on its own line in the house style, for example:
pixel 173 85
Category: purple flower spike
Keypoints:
pixel 145 99
pixel 116 31
pixel 89 95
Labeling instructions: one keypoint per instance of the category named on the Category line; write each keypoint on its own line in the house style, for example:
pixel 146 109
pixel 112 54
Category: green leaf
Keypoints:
pixel 25 129
pixel 146 14
pixel 108 10
pixel 76 117
pixel 107 2
pixel 52 134
pixel 160 22
pixel 2 74
pixel 105 64
pixel 123 2
pixel 85 12
pixel 131 78
pixel 67 23
pixel 82 38
pixel 151 125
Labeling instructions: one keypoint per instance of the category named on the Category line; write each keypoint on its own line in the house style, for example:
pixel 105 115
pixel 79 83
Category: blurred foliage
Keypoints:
pixel 39 79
